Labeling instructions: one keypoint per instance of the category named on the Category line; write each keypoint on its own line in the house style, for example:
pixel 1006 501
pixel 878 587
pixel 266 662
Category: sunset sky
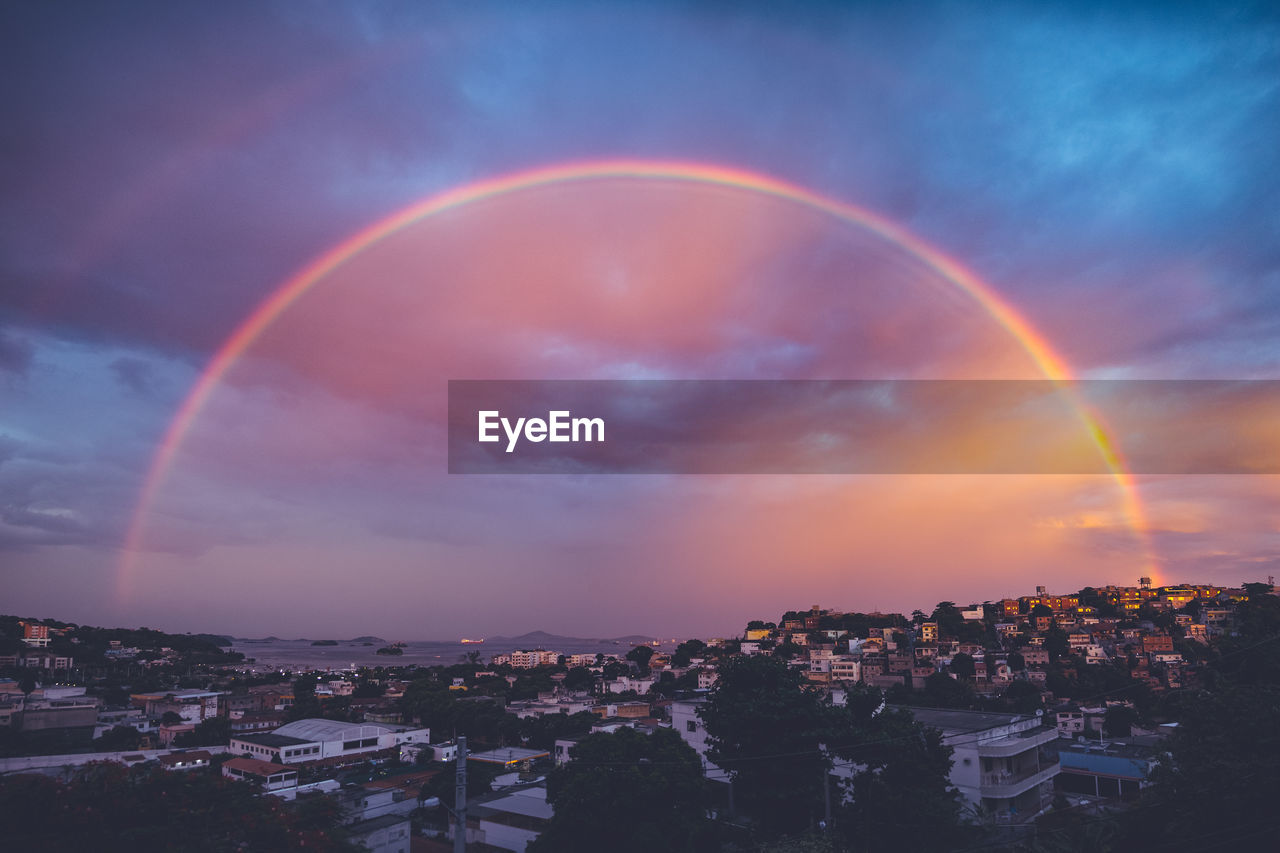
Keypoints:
pixel 604 191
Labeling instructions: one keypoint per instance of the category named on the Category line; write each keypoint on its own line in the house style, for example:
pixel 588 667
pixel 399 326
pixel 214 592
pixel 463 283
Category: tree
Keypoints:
pixel 901 797
pixel 1118 721
pixel 1215 789
pixel 542 732
pixel 170 718
pixel 687 651
pixel 110 806
pixel 579 678
pixel 305 704
pixel 1055 642
pixel 949 619
pixel 764 729
pixel 215 731
pixel 118 739
pixel 1017 662
pixel 963 666
pixel 640 656
pixel 1023 697
pixel 943 691
pixel 640 792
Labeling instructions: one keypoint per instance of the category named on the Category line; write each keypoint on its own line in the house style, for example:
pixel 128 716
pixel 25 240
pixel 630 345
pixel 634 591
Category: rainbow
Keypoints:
pixel 1049 363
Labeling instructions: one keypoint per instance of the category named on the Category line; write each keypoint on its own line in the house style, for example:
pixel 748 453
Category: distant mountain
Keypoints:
pixel 367 640
pixel 542 638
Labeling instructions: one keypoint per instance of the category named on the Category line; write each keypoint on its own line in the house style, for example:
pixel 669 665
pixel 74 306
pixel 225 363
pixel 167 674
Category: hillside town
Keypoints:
pixel 1045 709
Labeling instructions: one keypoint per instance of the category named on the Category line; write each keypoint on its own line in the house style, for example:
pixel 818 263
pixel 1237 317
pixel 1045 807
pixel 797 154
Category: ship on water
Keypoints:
pixel 466 640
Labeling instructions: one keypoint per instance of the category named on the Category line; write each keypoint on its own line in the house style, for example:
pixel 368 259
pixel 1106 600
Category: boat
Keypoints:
pixel 466 640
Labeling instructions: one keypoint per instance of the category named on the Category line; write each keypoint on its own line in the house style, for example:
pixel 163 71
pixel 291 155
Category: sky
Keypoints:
pixel 1106 171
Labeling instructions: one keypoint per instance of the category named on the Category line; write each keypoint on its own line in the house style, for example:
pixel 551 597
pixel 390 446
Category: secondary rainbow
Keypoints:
pixel 1037 347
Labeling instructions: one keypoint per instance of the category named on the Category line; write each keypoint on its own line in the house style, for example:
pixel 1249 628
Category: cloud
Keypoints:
pixel 15 354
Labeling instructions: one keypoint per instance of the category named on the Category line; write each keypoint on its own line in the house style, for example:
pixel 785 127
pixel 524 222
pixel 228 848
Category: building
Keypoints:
pixel 267 775
pixel 324 740
pixel 529 658
pixel 256 722
pixel 193 706
pixel 563 747
pixel 1111 770
pixel 999 764
pixel 685 720
pixel 193 759
pixel 169 733
pixel 70 720
pixel 440 752
pixel 385 834
pixel 626 682
pixel 36 636
pixel 509 757
pixel 509 821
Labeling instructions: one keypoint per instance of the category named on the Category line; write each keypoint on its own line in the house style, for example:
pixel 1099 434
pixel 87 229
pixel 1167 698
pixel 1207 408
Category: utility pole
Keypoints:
pixel 460 799
pixel 826 798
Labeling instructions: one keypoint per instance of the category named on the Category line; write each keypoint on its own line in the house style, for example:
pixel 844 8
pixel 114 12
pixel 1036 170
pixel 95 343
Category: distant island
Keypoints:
pixel 324 642
pixel 368 641
pixel 542 638
pixel 390 650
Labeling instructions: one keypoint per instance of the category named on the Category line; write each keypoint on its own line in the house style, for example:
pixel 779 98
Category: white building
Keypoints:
pixel 997 763
pixel 442 752
pixel 192 706
pixel 527 659
pixel 845 668
pixel 626 682
pixel 685 720
pixel 511 821
pixel 314 740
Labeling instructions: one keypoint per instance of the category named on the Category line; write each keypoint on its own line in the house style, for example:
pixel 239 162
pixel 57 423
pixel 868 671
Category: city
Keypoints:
pixel 1050 714
pixel 939 348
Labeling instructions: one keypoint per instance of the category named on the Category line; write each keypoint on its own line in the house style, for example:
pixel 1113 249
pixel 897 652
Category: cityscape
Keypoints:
pixel 616 427
pixel 1048 721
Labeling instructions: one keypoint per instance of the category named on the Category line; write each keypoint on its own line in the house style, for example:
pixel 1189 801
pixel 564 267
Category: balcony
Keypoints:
pixel 1001 785
pixel 1017 743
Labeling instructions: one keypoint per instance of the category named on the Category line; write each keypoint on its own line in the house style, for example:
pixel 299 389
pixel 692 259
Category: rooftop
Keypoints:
pixel 326 730
pixel 271 739
pixel 531 802
pixel 373 824
pixel 952 722
pixel 257 767
pixel 508 755
pixel 174 759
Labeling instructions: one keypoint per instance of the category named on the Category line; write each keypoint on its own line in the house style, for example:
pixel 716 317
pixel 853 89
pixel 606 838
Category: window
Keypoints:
pixel 691 726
